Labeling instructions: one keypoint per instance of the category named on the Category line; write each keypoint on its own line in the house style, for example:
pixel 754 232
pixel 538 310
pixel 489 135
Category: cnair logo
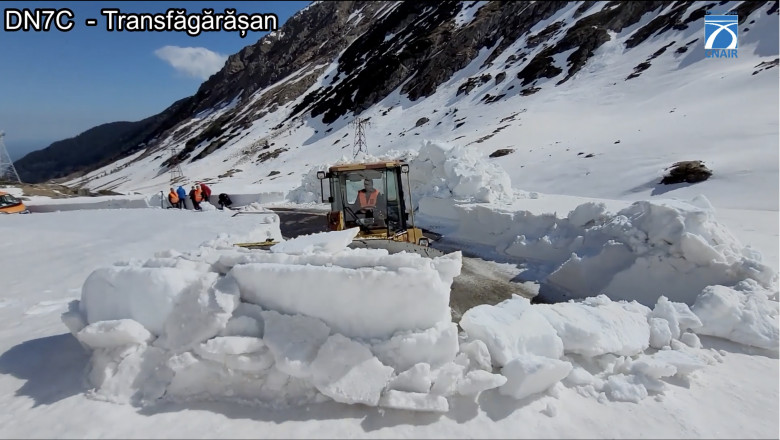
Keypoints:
pixel 720 36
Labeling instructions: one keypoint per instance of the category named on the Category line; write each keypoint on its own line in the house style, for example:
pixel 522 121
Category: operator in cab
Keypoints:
pixel 370 201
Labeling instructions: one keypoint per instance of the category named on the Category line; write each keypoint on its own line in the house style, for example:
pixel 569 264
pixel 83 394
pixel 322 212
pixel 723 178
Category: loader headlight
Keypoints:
pixel 320 175
pixel 423 242
pixel 404 169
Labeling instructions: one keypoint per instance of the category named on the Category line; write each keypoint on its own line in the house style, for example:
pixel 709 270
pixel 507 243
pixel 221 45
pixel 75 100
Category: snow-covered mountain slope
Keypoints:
pixel 594 99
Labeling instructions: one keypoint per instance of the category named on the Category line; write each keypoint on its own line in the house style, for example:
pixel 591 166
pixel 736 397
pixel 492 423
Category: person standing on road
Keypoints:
pixel 196 197
pixel 206 191
pixel 173 199
pixel 182 193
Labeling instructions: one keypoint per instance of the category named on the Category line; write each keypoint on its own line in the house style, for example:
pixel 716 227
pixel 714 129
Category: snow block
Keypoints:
pixel 361 302
pixel 146 295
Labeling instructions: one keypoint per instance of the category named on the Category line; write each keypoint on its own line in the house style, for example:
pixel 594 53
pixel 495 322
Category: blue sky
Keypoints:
pixel 55 85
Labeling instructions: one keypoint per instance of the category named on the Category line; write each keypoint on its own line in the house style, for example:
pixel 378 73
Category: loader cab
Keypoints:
pixel 369 196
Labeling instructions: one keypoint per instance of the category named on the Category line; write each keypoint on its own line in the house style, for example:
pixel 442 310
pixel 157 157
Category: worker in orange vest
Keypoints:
pixel 196 196
pixel 173 198
pixel 369 200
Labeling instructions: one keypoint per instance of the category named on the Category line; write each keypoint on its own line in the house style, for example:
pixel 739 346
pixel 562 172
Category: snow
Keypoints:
pixel 466 15
pixel 659 312
pixel 309 322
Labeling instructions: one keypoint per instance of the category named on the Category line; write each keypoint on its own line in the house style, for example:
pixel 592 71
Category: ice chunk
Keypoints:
pixel 414 401
pixel 327 242
pixel 684 363
pixel 347 372
pixel 746 316
pixel 478 354
pixel 435 346
pixel 414 380
pixel 135 375
pixel 477 381
pixel 231 345
pixel 660 334
pixel 529 374
pixel 597 325
pixel 510 329
pixel 294 341
pixel 447 378
pixel 73 318
pixel 625 388
pixel 653 366
pixel 242 326
pixel 678 315
pixel 114 333
pixel 200 312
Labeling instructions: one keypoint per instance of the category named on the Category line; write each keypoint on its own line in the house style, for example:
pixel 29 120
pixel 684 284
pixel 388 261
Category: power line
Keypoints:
pixel 7 170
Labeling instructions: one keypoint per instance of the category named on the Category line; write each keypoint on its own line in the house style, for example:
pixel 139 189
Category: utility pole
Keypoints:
pixel 359 145
pixel 7 170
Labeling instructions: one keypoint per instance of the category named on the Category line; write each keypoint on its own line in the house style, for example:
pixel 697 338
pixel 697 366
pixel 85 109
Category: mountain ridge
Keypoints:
pixel 334 60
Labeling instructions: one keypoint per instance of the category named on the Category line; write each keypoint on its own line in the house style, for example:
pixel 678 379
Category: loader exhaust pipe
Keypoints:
pixel 405 170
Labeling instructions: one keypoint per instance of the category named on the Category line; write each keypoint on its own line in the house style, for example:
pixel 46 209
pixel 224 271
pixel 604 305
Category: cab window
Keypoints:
pixel 8 200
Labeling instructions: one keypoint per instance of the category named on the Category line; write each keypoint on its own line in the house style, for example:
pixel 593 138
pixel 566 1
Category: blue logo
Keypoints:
pixel 720 31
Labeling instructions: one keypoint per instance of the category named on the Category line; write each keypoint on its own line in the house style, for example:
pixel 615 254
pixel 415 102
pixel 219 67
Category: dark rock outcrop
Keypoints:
pixel 690 171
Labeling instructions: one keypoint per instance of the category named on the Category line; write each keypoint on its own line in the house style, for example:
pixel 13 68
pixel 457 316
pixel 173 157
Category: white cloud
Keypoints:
pixel 197 62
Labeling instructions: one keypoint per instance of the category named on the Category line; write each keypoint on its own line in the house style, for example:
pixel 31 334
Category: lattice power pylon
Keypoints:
pixel 7 170
pixel 359 145
pixel 176 173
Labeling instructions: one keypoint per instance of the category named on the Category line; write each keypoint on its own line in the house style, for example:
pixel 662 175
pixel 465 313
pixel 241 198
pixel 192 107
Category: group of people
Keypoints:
pixel 198 193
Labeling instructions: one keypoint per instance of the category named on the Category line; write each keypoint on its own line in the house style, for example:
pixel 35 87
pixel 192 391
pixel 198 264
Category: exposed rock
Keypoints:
pixel 544 35
pixel 641 67
pixel 265 155
pixel 502 152
pixel 764 65
pixel 421 121
pixel 691 171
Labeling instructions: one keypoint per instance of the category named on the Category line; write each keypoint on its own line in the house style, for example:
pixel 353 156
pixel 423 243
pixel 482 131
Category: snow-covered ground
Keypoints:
pixel 122 319
pixel 153 318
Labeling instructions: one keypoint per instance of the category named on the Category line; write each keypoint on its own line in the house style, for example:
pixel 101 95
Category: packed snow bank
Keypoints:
pixel 240 198
pixel 457 173
pixel 614 350
pixel 648 249
pixel 311 320
pixel 640 252
pixel 306 321
pixel 45 204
